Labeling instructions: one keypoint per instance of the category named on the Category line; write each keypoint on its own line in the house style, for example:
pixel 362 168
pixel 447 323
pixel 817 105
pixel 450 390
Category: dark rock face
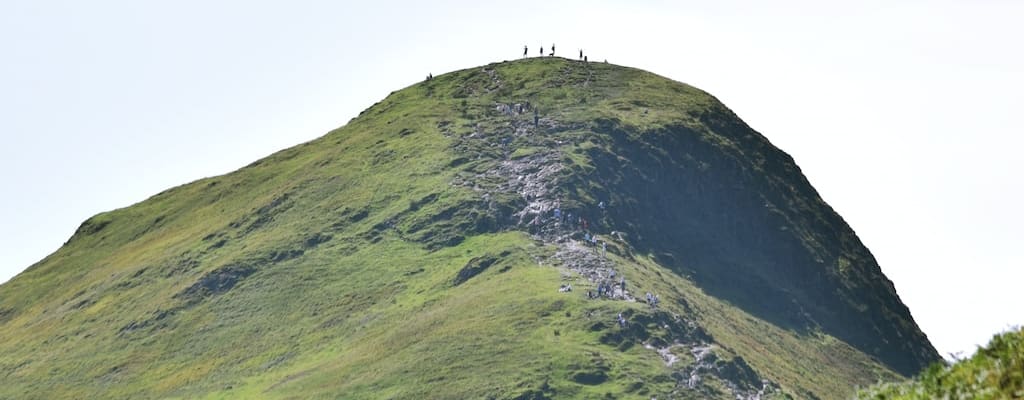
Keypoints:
pixel 739 373
pixel 218 281
pixel 473 268
pixel 595 377
pixel 741 219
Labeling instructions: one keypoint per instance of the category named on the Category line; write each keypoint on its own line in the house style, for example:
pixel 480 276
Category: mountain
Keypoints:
pixel 995 371
pixel 416 252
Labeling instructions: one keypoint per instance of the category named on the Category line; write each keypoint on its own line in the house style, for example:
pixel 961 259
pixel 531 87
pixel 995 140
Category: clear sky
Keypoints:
pixel 903 114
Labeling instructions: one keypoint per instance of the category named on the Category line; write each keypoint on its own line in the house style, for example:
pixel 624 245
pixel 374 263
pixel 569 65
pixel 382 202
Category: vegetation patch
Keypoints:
pixel 995 371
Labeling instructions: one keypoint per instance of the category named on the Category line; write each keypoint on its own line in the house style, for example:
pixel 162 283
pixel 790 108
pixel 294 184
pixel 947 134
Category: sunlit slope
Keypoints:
pixel 415 253
pixel 995 371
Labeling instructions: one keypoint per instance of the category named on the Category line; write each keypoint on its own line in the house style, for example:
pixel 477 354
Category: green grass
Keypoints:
pixel 327 270
pixel 995 371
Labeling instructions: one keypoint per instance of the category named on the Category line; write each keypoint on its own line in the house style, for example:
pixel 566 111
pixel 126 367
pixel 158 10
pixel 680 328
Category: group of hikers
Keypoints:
pixel 526 51
pixel 606 288
pixel 567 219
pixel 572 221
pixel 652 300
pixel 591 240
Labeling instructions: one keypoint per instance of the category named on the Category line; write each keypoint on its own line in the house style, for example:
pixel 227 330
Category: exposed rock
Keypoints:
pixel 217 281
pixel 473 268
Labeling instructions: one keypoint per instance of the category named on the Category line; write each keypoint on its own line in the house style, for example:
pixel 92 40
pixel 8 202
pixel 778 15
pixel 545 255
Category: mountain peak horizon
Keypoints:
pixel 528 229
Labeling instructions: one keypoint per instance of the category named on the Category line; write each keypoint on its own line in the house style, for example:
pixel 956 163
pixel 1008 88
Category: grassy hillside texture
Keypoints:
pixel 415 253
pixel 994 372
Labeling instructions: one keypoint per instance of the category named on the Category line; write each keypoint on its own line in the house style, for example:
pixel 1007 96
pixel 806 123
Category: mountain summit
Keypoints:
pixel 533 229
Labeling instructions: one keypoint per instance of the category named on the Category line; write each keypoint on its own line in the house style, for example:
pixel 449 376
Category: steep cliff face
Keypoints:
pixel 740 219
pixel 530 229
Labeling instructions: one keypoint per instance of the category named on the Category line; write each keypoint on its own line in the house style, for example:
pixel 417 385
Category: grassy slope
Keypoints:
pixel 335 291
pixel 994 372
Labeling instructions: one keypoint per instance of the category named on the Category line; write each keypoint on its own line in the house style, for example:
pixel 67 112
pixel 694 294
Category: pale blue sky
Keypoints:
pixel 903 114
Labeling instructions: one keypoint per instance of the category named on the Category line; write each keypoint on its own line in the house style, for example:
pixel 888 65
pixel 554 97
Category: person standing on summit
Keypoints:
pixel 552 50
pixel 525 49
